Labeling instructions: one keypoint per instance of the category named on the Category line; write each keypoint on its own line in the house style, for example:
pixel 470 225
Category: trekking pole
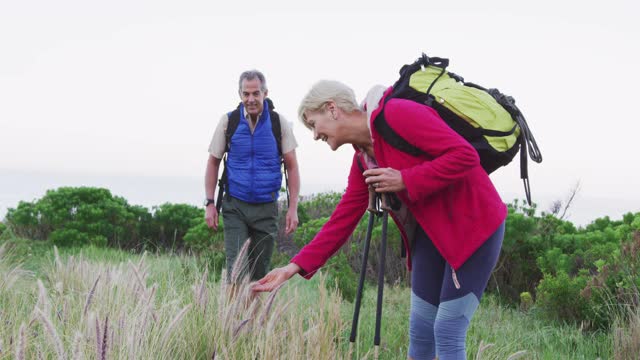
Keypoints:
pixel 365 255
pixel 383 252
pixel 374 209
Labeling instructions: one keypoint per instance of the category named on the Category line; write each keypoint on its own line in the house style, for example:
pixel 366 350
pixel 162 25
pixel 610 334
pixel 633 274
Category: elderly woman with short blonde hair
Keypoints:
pixel 452 219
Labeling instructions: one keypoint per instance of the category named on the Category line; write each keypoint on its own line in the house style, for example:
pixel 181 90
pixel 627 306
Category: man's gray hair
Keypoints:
pixel 250 75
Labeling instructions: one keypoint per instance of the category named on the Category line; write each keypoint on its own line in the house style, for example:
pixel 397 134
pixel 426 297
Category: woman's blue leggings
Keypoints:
pixel 440 313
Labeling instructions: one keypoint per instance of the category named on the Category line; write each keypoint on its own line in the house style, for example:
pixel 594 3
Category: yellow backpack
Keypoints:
pixel 489 120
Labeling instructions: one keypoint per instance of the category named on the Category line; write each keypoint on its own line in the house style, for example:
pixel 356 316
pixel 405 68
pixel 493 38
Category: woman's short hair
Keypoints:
pixel 324 91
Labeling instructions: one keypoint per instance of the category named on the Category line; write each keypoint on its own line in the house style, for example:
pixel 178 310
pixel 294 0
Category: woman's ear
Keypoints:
pixel 331 109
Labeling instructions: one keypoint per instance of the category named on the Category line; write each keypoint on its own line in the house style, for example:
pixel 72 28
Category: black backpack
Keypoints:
pixel 489 120
pixel 232 126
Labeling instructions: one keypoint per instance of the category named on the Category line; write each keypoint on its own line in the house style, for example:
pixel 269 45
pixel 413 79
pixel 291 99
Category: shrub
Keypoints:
pixel 596 292
pixel 558 296
pixel 73 237
pixel 526 301
pixel 341 273
pixel 207 245
pixel 516 270
pixel 319 205
pixel 201 238
pixel 279 259
pixel 91 211
pixel 348 260
pixel 24 221
pixel 171 222
pixel 307 231
pixel 215 261
pixel 21 251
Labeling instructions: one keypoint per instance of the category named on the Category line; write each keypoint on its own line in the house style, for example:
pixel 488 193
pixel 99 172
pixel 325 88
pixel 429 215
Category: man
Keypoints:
pixel 250 207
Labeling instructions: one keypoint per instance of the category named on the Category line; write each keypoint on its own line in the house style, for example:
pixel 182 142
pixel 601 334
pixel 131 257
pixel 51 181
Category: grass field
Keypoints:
pixel 107 304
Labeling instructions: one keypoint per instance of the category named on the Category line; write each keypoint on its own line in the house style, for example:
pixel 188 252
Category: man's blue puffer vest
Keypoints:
pixel 254 162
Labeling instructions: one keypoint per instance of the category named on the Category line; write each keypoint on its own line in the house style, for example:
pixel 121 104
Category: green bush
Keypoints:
pixel 341 273
pixel 24 221
pixel 351 252
pixel 141 230
pixel 97 216
pixel 590 273
pixel 171 222
pixel 318 206
pixel 3 227
pixel 614 289
pixel 570 299
pixel 23 251
pixel 75 238
pixel 339 268
pixel 215 261
pixel 307 231
pixel 91 211
pixel 516 270
pixel 558 296
pixel 201 238
pixel 593 275
pixel 279 259
pixel 207 245
pixel 526 301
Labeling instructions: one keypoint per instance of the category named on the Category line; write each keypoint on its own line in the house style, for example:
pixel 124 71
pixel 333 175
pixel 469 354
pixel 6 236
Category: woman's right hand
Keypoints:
pixel 276 277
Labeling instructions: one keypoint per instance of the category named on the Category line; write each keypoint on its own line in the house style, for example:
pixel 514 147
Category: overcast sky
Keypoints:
pixel 137 87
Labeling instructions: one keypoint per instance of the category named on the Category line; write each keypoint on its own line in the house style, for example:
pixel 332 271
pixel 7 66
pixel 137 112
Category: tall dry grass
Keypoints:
pixel 9 275
pixel 88 310
pixel 104 304
pixel 626 338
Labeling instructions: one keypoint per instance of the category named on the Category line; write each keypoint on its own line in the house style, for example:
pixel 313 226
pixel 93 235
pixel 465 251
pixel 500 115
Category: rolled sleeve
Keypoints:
pixel 289 142
pixel 217 145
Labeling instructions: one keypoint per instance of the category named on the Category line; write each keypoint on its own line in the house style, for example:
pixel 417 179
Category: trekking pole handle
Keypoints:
pixel 374 197
pixel 384 202
pixel 372 200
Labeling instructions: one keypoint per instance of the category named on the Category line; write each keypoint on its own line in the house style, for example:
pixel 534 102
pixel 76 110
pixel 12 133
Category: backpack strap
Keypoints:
pixel 391 136
pixel 232 126
pixel 359 160
pixel 528 144
pixel 276 128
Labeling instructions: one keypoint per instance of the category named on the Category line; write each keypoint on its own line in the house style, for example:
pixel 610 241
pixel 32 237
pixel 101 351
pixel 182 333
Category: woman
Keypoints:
pixel 455 220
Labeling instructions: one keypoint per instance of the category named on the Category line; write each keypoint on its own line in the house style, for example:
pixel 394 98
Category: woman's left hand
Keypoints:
pixel 384 179
pixel 275 277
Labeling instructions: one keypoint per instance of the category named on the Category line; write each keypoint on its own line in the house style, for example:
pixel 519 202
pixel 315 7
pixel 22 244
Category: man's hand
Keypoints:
pixel 384 179
pixel 211 216
pixel 291 221
pixel 275 277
